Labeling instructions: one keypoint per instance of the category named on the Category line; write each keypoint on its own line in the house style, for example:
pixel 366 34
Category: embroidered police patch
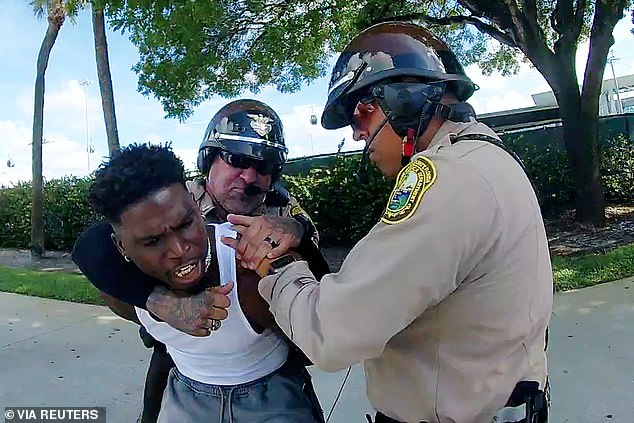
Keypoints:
pixel 298 212
pixel 411 184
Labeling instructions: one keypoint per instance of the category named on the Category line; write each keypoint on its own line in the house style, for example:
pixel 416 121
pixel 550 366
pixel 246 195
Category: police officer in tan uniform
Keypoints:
pixel 447 299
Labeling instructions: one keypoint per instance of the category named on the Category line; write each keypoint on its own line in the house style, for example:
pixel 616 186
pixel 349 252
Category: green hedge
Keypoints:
pixel 66 213
pixel 343 209
pixel 549 170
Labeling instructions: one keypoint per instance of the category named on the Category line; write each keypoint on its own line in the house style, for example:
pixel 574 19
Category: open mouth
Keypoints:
pixel 185 270
pixel 188 273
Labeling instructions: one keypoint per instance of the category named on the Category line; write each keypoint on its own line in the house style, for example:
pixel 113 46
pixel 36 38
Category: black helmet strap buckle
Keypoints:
pixel 458 112
pixel 410 107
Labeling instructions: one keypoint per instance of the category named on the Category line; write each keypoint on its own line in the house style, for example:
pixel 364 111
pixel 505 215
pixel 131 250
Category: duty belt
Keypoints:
pixel 527 404
pixel 382 418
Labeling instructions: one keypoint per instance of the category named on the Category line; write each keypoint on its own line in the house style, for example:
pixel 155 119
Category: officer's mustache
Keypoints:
pixel 252 190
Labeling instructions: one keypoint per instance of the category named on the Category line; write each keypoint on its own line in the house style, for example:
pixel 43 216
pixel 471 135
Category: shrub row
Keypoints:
pixel 66 213
pixel 343 209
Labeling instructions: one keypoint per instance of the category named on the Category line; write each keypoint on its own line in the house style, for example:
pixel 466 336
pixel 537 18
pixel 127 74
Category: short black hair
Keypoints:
pixel 132 174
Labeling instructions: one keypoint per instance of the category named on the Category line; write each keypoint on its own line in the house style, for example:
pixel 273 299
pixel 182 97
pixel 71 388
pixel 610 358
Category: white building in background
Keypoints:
pixel 608 101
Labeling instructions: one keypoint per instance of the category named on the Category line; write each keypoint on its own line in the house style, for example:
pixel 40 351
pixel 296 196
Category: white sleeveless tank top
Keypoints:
pixel 232 355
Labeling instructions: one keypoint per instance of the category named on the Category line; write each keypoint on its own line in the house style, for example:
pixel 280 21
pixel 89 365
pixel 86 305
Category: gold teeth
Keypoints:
pixel 185 270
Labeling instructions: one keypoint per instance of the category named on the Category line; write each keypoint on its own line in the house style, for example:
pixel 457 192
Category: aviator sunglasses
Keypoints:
pixel 244 162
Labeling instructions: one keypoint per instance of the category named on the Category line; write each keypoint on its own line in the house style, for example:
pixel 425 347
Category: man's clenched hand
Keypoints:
pixel 194 314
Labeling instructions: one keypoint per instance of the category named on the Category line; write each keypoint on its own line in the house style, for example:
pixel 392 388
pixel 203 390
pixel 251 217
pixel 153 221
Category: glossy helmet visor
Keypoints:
pixel 388 52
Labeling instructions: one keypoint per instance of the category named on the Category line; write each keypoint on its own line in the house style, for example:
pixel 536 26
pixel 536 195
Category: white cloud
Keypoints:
pixel 498 92
pixel 188 156
pixel 153 139
pixel 15 147
pixel 305 139
pixel 60 156
pixel 65 110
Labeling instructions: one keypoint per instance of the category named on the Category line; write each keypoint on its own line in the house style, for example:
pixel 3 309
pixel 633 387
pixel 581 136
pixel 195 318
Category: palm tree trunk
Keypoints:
pixel 105 79
pixel 55 22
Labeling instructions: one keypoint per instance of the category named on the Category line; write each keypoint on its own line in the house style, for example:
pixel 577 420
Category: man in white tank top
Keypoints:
pixel 230 144
pixel 238 374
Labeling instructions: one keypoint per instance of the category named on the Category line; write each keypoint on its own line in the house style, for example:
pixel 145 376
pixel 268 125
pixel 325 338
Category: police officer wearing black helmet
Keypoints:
pixel 241 158
pixel 242 155
pixel 244 134
pixel 447 299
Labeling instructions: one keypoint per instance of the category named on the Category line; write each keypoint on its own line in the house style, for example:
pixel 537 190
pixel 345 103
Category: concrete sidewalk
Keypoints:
pixel 55 353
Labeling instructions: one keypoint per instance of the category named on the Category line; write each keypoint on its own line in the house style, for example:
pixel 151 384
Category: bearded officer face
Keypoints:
pixel 230 174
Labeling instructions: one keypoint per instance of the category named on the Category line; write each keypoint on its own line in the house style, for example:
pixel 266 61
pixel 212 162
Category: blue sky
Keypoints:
pixel 142 119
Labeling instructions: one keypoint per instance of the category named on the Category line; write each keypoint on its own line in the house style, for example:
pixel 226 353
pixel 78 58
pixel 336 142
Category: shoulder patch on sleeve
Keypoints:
pixel 411 184
pixel 298 212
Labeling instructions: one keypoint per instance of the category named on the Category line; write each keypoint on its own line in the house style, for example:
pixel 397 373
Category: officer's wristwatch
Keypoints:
pixel 271 267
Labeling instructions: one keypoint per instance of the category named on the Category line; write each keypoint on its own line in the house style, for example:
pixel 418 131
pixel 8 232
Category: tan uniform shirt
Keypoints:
pixel 446 309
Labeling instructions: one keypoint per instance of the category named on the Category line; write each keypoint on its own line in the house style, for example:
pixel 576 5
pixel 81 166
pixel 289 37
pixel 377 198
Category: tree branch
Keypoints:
pixel 471 8
pixel 519 27
pixel 530 9
pixel 495 12
pixel 561 16
pixel 565 23
pixel 283 5
pixel 579 13
pixel 460 20
pixel 607 13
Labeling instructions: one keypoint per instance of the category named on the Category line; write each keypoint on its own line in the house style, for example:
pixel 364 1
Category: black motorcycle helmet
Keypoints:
pixel 388 53
pixel 245 127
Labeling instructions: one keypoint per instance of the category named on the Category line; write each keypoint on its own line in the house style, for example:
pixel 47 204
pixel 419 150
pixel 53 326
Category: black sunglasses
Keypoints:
pixel 243 162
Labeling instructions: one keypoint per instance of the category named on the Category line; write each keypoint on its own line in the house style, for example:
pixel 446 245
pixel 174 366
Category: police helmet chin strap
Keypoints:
pixel 405 105
pixel 409 108
pixel 458 112
pixel 361 174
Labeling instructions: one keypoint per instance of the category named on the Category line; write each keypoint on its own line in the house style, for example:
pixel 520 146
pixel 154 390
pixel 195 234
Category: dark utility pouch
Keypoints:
pixel 528 392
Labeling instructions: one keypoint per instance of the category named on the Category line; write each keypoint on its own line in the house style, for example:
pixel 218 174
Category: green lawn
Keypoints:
pixel 591 269
pixel 568 272
pixel 58 285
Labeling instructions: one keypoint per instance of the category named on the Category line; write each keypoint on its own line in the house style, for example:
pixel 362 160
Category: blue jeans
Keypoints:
pixel 284 396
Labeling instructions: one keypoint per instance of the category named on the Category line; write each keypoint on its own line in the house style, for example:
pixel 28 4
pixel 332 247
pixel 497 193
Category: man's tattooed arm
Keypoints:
pixel 193 314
